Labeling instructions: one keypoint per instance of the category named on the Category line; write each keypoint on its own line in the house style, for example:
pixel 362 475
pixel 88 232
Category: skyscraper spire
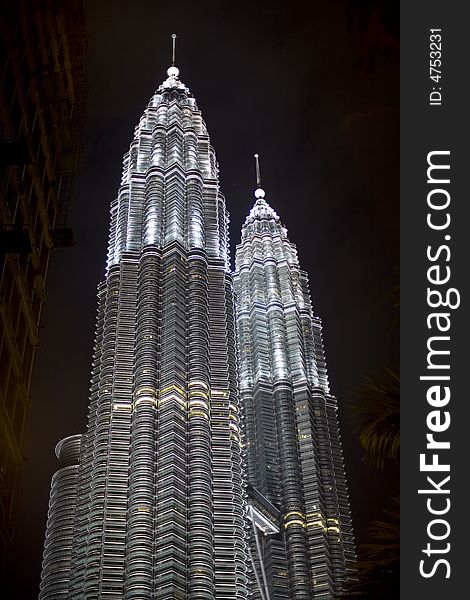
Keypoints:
pixel 148 503
pixel 258 172
pixel 173 71
pixel 173 37
pixel 259 192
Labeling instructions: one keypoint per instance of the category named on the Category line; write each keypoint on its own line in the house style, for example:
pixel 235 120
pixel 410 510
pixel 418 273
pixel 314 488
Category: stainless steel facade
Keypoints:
pixel 152 505
pixel 293 450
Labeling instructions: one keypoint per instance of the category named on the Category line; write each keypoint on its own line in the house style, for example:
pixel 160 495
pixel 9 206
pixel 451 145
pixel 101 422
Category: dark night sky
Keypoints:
pixel 314 89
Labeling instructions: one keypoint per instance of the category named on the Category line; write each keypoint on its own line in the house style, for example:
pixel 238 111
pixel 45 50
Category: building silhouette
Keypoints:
pixel 42 101
pixel 149 501
pixel 304 547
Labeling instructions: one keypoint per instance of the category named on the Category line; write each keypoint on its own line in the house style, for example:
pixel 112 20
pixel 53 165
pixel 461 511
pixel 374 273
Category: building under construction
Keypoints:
pixel 42 100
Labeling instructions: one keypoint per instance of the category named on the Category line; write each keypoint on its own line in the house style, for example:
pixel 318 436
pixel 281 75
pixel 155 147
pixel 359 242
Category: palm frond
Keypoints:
pixel 377 418
pixel 380 562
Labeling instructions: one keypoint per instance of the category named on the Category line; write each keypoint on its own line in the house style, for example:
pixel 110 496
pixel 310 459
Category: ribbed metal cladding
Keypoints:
pixel 60 520
pixel 290 425
pixel 160 496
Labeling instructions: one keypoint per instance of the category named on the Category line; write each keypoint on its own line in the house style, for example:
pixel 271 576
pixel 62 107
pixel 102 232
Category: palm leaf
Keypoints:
pixel 377 417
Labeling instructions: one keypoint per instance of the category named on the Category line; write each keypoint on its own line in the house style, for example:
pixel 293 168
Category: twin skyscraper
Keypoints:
pixel 211 465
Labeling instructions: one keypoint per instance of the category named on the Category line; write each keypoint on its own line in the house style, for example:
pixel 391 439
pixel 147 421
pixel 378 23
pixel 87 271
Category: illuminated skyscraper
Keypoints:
pixel 149 501
pixel 304 548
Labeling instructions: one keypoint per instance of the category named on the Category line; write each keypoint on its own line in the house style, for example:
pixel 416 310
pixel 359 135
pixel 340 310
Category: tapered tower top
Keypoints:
pixel 261 209
pixel 173 72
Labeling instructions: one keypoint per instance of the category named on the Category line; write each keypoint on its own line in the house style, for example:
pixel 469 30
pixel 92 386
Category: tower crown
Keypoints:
pixel 261 209
pixel 173 72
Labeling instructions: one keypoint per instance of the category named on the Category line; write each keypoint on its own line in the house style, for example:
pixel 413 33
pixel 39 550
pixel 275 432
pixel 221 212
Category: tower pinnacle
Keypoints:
pixel 173 71
pixel 259 192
